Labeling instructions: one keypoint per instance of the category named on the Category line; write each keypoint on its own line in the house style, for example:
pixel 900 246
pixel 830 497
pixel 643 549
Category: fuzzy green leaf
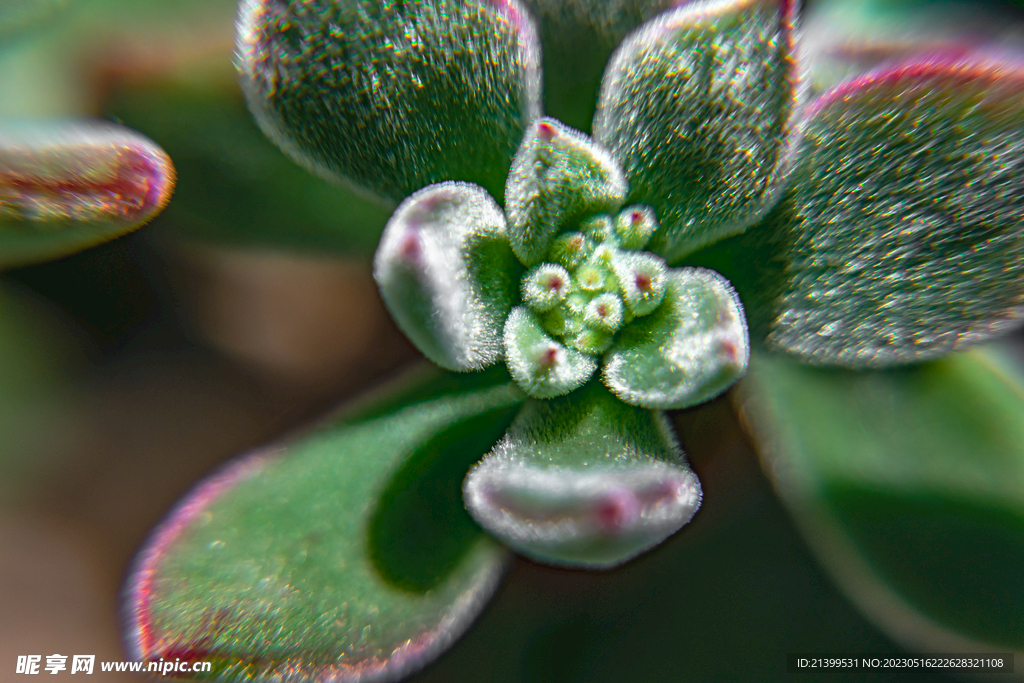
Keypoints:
pixel 393 96
pixel 699 107
pixel 68 186
pixel 693 347
pixel 342 555
pixel 642 278
pixel 901 236
pixel 541 366
pixel 448 276
pixel 558 176
pixel 584 480
pixel 909 483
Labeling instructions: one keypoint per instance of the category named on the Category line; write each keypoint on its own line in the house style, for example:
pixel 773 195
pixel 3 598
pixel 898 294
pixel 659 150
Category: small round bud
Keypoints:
pixel 599 228
pixel 604 313
pixel 641 280
pixel 570 249
pixel 634 226
pixel 591 341
pixel 546 286
pixel 590 278
pixel 576 304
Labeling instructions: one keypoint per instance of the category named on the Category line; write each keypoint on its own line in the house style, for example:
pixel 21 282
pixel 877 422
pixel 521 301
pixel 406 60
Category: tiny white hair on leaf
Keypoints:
pixel 691 349
pixel 447 275
pixel 557 176
pixel 701 106
pixel 391 97
pixel 584 480
pixel 641 279
pixel 592 519
pixel 540 365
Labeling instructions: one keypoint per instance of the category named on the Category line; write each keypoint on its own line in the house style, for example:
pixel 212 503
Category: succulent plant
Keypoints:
pixel 66 186
pixel 579 283
pixel 69 183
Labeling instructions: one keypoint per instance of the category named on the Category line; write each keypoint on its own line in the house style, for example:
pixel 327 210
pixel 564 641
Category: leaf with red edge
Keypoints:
pixel 65 187
pixel 343 555
pixel 901 236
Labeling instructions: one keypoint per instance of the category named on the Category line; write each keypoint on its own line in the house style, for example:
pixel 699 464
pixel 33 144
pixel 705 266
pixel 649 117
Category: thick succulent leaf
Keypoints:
pixel 558 176
pixel 540 365
pixel 234 186
pixel 900 236
pixel 393 96
pixel 448 276
pixel 699 106
pixel 642 280
pixel 578 38
pixel 909 483
pixel 584 480
pixel 65 187
pixel 690 349
pixel 344 555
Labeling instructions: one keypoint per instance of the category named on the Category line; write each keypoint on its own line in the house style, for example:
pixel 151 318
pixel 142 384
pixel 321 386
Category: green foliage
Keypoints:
pixel 447 274
pixel 346 553
pixel 541 365
pixel 896 239
pixel 691 349
pixel 558 177
pixel 578 38
pixel 905 184
pixel 392 96
pixel 699 106
pixel 899 236
pixel 584 480
pixel 908 483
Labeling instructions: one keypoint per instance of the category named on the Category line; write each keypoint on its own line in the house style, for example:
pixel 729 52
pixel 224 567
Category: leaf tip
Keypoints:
pixel 596 519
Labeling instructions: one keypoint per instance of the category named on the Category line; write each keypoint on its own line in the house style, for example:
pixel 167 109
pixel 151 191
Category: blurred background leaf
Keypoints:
pixel 908 484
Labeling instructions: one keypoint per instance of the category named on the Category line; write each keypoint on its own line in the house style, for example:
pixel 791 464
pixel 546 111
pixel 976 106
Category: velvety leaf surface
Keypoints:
pixel 691 348
pixel 578 38
pixel 448 275
pixel 909 483
pixel 584 480
pixel 234 186
pixel 65 187
pixel 393 96
pixel 739 573
pixel 900 236
pixel 540 365
pixel 698 106
pixel 558 176
pixel 343 555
